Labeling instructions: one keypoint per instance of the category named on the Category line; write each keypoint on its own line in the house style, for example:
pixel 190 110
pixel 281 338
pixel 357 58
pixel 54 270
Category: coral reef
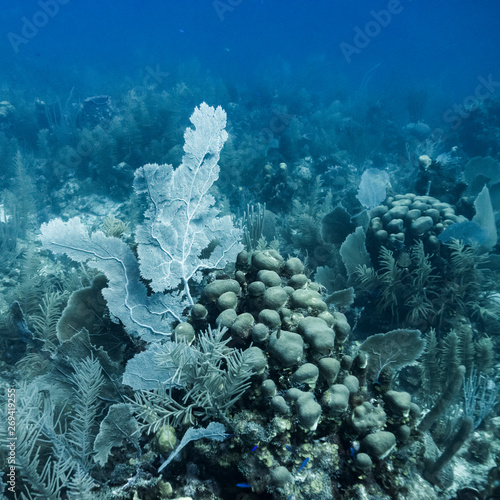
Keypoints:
pixel 349 351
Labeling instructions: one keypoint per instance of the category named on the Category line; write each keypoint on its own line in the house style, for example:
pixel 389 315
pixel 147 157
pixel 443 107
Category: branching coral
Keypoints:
pixel 424 290
pixel 213 378
pixel 403 286
pixel 49 458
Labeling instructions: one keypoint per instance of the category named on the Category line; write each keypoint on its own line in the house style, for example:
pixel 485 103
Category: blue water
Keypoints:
pixel 439 44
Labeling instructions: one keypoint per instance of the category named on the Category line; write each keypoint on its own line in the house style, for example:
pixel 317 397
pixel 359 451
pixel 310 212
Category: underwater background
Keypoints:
pixel 249 249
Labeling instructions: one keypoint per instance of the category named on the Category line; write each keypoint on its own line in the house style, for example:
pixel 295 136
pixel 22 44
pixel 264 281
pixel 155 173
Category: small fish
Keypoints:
pixel 256 446
pixel 290 497
pixel 181 31
pixel 289 448
pixel 352 453
pixel 303 464
pixel 243 485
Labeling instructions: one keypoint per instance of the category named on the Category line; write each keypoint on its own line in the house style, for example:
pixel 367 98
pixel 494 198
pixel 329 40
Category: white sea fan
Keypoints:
pixel 182 221
pixel 373 187
pixel 182 234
